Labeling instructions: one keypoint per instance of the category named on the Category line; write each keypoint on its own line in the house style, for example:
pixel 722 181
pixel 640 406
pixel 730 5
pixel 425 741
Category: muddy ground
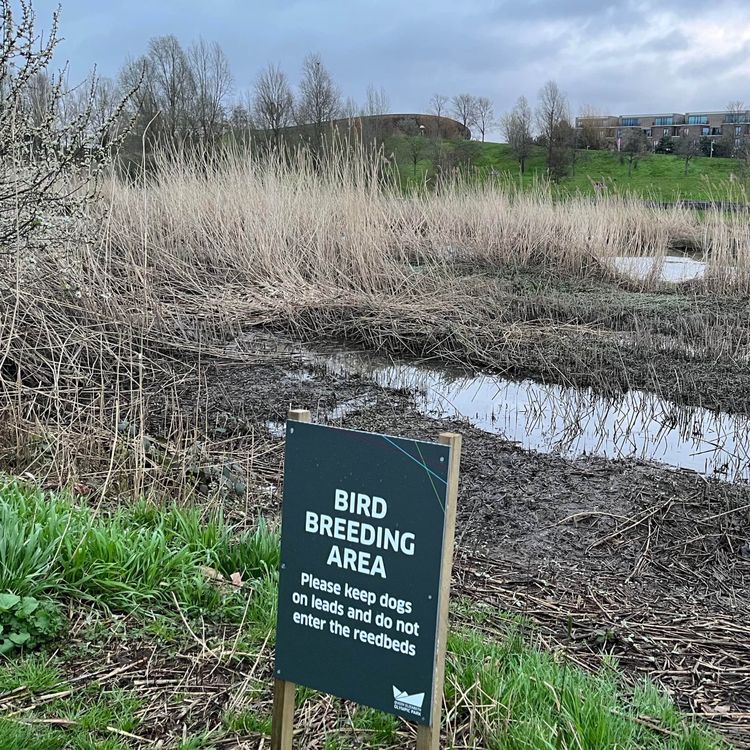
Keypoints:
pixel 689 347
pixel 636 560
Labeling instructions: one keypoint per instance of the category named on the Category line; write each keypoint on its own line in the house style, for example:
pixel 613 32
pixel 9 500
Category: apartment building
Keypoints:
pixel 612 130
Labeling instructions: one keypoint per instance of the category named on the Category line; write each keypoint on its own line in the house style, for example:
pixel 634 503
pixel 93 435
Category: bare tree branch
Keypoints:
pixel 484 115
pixel 465 109
pixel 273 103
pixel 516 126
pixel 319 99
pixel 212 81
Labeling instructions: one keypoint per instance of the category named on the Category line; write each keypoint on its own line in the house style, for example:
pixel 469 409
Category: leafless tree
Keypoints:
pixel 181 95
pixel 319 99
pixel 516 126
pixel 484 115
pixel 273 102
pixel 212 83
pixel 552 110
pixel 634 147
pixel 377 102
pixel 438 105
pixel 737 109
pixel 240 119
pixel 376 107
pixel 464 108
pixel 687 149
pixel 136 75
pixel 735 143
pixel 48 163
pixel 168 77
pixel 350 109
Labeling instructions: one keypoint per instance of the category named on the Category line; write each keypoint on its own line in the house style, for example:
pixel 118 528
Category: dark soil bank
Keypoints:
pixel 649 564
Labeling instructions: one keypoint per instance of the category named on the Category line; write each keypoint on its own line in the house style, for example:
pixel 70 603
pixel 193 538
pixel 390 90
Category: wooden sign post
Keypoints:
pixel 282 727
pixel 428 737
pixel 368 526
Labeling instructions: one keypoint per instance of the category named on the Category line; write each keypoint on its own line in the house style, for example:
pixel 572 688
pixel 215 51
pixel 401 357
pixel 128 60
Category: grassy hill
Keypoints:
pixel 657 176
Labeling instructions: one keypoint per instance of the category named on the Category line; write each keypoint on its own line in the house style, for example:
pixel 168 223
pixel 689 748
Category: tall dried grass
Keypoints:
pixel 200 249
pixel 281 223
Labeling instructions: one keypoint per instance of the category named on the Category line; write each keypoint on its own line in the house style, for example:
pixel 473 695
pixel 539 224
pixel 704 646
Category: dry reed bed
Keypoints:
pixel 190 256
pixel 276 226
pixel 338 251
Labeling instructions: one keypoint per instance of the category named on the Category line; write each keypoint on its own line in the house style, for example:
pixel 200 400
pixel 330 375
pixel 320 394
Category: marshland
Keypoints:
pixel 145 370
pixel 157 322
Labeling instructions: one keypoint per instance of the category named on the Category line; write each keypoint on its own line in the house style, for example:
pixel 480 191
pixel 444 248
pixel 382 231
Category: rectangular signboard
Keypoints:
pixel 363 522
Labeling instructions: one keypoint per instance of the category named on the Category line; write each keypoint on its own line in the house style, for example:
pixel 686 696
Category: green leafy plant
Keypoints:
pixel 26 622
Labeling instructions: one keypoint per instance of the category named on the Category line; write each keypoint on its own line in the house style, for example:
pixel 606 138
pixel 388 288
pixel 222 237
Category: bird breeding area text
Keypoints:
pixel 360 542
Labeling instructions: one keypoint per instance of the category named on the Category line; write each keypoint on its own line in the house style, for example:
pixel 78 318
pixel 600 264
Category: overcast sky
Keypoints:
pixel 623 57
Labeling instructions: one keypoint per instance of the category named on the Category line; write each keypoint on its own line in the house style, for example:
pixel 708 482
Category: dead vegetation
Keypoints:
pixel 114 355
pixel 330 248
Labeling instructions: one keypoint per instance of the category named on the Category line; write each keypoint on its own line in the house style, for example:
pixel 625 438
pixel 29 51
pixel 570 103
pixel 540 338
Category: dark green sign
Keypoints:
pixel 361 550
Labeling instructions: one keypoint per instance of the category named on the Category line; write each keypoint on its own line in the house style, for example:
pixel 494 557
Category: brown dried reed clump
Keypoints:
pixel 297 225
pixel 187 256
pixel 333 247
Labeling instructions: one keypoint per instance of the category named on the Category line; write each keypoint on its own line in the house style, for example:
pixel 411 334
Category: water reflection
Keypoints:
pixel 571 421
pixel 673 268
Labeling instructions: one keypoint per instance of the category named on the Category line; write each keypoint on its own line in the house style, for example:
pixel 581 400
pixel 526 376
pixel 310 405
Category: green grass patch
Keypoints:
pixel 36 672
pixel 17 736
pixel 502 691
pixel 93 711
pixel 658 177
pixel 199 742
pixel 380 728
pixel 523 697
pixel 141 558
pixel 247 722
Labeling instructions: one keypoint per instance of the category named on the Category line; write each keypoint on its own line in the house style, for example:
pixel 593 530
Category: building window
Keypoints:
pixel 664 121
pixel 630 122
pixel 647 131
pixel 697 119
pixel 667 131
pixel 705 131
pixel 738 130
pixel 685 131
pixel 734 117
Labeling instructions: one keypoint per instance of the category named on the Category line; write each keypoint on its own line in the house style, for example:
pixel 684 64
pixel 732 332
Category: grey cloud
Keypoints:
pixel 705 65
pixel 674 40
pixel 623 12
pixel 498 48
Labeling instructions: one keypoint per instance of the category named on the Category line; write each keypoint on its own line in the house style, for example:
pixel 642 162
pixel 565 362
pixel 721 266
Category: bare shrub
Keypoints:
pixel 49 161
pixel 60 338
